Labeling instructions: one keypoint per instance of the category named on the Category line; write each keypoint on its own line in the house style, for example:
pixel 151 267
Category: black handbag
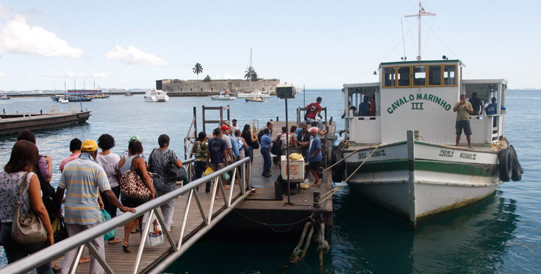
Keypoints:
pixel 60 232
pixel 174 173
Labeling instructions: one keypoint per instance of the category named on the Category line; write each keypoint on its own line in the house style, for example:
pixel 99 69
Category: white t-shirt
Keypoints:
pixel 109 163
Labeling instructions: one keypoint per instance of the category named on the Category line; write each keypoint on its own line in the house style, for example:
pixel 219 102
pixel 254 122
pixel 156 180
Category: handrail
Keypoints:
pixel 85 239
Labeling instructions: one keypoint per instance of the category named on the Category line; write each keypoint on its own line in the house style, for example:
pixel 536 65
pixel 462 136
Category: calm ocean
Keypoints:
pixel 501 234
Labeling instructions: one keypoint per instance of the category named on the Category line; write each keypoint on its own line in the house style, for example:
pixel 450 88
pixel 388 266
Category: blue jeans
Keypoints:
pixel 16 251
pixel 267 162
pixel 249 152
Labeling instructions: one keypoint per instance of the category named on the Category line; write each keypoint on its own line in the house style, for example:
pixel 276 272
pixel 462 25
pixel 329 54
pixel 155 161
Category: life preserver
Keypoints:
pixel 505 165
pixel 517 168
pixel 339 170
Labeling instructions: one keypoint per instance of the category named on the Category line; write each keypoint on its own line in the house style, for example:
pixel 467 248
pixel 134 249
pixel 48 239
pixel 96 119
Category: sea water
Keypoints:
pixel 499 234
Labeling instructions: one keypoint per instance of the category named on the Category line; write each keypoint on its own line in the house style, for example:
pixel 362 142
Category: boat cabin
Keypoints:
pixel 420 96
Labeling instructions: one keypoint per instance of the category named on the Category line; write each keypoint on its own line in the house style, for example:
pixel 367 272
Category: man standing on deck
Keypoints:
pixel 463 110
pixel 303 139
pixel 313 109
pixel 83 179
pixel 314 155
pixel 266 142
pixel 477 104
pixel 229 150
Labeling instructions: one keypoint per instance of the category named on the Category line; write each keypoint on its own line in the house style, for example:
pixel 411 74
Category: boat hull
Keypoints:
pixel 431 180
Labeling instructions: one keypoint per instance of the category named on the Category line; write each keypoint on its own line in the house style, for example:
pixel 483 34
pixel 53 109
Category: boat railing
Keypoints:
pixel 208 218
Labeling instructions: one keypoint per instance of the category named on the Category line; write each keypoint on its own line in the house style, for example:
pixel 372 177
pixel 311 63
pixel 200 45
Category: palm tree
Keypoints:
pixel 250 73
pixel 197 69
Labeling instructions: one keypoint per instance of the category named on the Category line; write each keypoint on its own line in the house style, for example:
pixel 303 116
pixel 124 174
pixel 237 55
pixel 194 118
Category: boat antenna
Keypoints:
pixel 419 16
pixel 403 42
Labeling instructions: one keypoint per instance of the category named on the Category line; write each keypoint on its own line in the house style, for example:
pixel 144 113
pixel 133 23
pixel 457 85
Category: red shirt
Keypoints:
pixel 312 109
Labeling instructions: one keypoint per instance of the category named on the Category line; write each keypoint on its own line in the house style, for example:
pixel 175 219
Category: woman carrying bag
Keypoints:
pixel 128 162
pixel 24 157
pixel 157 162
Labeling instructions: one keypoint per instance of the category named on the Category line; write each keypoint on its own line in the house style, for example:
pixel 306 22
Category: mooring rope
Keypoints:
pixel 331 192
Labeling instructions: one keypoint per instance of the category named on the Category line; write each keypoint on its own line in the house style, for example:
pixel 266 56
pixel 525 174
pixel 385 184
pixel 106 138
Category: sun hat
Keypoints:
pixel 224 127
pixel 313 129
pixel 89 145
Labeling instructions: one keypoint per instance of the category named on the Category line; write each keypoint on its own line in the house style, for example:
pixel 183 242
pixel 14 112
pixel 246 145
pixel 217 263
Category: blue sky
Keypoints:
pixel 319 44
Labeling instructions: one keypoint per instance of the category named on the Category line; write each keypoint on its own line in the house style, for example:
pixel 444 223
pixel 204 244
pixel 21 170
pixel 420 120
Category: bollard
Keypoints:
pixel 316 199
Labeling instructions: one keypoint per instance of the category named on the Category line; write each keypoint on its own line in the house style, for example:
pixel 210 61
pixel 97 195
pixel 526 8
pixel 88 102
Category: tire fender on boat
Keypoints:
pixel 517 168
pixel 505 164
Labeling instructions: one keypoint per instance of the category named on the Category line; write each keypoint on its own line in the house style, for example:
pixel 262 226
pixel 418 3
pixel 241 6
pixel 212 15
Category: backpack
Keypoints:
pixel 48 193
pixel 277 147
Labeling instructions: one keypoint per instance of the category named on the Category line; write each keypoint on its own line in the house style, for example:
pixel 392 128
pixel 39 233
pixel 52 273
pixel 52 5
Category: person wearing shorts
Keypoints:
pixel 463 110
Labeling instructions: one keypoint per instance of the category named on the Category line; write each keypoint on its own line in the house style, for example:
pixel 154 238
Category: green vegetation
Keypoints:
pixel 250 73
pixel 207 79
pixel 197 69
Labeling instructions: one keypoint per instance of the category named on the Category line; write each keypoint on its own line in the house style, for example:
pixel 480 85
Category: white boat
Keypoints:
pixel 156 96
pixel 255 94
pixel 4 97
pixel 63 100
pixel 222 96
pixel 404 157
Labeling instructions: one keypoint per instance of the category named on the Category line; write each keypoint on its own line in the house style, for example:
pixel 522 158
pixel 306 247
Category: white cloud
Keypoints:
pixel 72 74
pixel 16 36
pixel 100 75
pixel 132 55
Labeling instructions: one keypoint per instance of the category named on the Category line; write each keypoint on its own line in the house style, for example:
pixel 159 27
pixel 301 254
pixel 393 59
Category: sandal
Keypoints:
pixel 126 247
pixel 114 241
pixel 56 268
pixel 135 230
pixel 84 260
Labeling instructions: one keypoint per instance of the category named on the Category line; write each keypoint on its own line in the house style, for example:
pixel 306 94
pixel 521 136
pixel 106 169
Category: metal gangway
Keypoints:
pixel 195 215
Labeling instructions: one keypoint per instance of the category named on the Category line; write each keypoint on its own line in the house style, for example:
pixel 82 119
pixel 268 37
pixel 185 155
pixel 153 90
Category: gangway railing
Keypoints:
pixel 208 218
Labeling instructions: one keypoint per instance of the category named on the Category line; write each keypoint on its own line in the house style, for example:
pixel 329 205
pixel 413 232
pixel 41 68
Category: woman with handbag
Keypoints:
pixel 132 161
pixel 163 162
pixel 24 157
pixel 251 141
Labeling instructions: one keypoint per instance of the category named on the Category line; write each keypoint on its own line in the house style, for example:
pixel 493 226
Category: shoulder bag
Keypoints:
pixel 60 231
pixel 132 185
pixel 173 173
pixel 28 229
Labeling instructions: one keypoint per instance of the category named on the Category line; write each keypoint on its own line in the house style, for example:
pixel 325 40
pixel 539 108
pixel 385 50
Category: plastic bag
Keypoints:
pixel 155 234
pixel 106 217
pixel 208 171
pixel 226 176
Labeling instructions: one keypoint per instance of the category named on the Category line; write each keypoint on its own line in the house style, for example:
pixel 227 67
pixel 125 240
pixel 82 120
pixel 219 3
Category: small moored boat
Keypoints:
pixel 156 96
pixel 255 99
pixel 223 95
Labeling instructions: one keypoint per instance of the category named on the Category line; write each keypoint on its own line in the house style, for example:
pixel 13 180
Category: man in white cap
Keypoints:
pixel 82 180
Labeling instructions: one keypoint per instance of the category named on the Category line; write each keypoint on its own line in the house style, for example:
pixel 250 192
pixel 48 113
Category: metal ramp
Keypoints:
pixel 195 214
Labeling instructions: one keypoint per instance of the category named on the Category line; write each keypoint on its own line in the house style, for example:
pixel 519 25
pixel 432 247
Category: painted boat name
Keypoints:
pixel 463 155
pixel 418 105
pixel 378 153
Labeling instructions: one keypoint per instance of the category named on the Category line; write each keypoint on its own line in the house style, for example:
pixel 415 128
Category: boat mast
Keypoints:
pixel 421 13
pixel 250 69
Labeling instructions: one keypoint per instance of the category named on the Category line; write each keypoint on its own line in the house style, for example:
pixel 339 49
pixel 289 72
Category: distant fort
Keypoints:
pixel 176 87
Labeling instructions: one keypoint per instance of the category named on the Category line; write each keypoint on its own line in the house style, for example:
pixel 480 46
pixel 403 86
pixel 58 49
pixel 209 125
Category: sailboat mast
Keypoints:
pixel 250 70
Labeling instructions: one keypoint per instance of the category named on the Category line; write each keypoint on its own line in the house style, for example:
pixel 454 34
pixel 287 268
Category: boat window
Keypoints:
pixel 404 76
pixel 419 75
pixel 434 75
pixel 449 75
pixel 390 77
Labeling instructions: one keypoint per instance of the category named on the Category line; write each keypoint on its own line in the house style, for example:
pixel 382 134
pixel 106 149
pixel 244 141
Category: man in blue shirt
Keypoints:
pixel 492 109
pixel 364 107
pixel 266 142
pixel 217 154
pixel 314 156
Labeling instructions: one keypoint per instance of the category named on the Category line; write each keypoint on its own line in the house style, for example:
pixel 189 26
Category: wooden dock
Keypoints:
pixel 15 123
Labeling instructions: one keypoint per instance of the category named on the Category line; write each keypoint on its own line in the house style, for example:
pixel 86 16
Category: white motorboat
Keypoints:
pixel 223 95
pixel 255 94
pixel 156 96
pixel 403 156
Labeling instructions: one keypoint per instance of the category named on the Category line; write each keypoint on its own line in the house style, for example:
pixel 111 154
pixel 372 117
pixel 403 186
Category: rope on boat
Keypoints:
pixel 343 159
pixel 331 192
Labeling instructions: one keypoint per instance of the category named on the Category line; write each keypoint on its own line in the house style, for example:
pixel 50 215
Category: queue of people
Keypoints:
pixel 89 182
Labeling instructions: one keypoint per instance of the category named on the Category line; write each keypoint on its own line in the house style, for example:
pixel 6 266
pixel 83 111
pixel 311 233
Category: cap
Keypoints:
pixel 135 137
pixel 89 145
pixel 313 129
pixel 224 127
